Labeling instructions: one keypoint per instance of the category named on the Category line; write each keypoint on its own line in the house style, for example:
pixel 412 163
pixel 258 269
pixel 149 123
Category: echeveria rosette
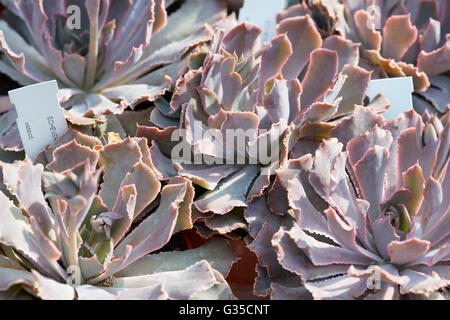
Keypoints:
pixel 326 64
pixel 383 216
pixel 125 52
pixel 106 231
pixel 271 210
pixel 223 94
pixel 240 86
pixel 412 40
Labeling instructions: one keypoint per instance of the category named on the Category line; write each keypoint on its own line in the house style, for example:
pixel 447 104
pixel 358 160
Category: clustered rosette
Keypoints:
pixel 273 143
pixel 241 87
pixel 65 235
pixel 222 94
pixel 124 52
pixel 380 227
pixel 395 39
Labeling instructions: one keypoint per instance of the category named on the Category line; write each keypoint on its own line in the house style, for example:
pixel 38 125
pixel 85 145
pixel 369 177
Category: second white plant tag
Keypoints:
pixel 397 90
pixel 262 13
pixel 40 118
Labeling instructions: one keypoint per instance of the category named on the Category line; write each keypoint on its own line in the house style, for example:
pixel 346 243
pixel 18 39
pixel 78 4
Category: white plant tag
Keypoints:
pixel 262 13
pixel 397 90
pixel 40 118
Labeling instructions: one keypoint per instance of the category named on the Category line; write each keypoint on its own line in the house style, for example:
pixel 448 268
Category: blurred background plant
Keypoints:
pixel 395 39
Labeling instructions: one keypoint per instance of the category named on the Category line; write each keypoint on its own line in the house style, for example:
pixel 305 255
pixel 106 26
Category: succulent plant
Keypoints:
pixel 64 235
pixel 273 144
pixel 395 39
pixel 121 53
pixel 240 89
pixel 271 211
pixel 369 222
pixel 222 94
